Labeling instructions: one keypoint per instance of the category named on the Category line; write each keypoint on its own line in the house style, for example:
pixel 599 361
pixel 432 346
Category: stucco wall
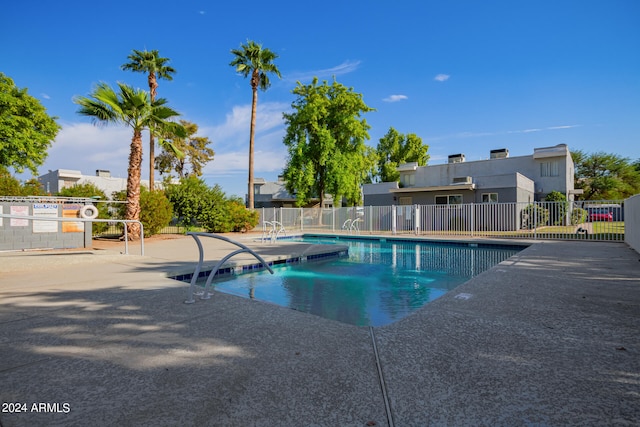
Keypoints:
pixel 632 222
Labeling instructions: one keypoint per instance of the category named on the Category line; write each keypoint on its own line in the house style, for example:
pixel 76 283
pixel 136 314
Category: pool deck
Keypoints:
pixel 549 337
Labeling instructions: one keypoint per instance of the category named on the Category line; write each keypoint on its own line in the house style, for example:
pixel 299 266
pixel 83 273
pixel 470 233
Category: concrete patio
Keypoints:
pixel 550 337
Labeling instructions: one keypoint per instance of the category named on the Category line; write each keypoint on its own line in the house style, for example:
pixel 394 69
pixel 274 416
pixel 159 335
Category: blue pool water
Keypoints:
pixel 377 284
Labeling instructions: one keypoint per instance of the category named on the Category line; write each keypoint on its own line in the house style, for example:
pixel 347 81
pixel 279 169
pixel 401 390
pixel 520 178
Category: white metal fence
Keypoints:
pixel 601 220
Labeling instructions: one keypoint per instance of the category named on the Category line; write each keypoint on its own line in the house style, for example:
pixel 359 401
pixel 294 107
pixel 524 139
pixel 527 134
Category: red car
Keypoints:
pixel 602 214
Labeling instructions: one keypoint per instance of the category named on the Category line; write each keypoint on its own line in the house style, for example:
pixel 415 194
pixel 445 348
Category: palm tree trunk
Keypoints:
pixel 152 161
pixel 132 211
pixel 153 90
pixel 252 132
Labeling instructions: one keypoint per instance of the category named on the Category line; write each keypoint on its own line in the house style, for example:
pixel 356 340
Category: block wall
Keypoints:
pixel 20 234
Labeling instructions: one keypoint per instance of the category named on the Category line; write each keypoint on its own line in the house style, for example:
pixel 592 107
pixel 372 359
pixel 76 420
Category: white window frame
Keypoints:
pixel 551 168
pixel 490 197
pixel 449 197
pixel 408 179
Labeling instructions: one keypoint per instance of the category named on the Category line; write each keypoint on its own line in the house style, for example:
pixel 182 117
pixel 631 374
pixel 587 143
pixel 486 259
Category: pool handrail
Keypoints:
pixel 274 232
pixel 351 225
pixel 205 293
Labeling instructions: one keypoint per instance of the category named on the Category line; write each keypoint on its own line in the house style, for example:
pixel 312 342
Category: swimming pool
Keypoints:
pixel 378 283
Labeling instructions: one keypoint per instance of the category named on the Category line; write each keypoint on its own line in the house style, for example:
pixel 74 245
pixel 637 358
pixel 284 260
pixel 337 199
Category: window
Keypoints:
pixel 405 200
pixel 490 198
pixel 453 199
pixel 550 168
pixel 408 179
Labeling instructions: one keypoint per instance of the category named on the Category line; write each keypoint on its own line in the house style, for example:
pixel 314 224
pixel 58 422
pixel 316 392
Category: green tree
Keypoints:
pixel 254 60
pixel 325 138
pixel 26 130
pixel 605 176
pixel 195 149
pixel 156 67
pixel 11 186
pixel 395 149
pixel 133 108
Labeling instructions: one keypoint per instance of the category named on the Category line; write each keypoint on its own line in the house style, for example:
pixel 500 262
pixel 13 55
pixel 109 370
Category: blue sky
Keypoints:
pixel 465 76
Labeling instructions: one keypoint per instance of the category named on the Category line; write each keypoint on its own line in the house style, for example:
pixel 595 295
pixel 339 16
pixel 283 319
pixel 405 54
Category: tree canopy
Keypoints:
pixel 605 176
pixel 11 186
pixel 325 138
pixel 395 149
pixel 195 149
pixel 257 61
pixel 156 67
pixel 26 130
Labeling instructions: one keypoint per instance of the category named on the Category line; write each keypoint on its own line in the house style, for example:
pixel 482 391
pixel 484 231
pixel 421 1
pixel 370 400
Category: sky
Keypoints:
pixel 465 76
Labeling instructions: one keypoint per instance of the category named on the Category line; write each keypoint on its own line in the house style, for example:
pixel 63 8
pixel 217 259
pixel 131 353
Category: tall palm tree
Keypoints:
pixel 252 59
pixel 133 108
pixel 156 67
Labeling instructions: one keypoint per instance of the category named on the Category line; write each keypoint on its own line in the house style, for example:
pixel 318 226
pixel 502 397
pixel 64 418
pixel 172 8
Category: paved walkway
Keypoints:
pixel 550 337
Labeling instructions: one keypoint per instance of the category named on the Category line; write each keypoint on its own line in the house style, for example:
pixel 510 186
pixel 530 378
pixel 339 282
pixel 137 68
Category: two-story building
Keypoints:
pixel 498 179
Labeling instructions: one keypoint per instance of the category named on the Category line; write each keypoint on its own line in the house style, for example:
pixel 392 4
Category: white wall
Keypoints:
pixel 632 222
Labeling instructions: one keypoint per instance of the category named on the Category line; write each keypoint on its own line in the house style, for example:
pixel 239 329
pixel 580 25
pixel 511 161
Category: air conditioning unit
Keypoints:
pixel 456 158
pixel 501 153
pixel 462 180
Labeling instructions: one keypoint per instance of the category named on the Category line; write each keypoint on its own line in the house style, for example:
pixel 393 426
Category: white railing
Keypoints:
pixel 590 220
pixel 271 230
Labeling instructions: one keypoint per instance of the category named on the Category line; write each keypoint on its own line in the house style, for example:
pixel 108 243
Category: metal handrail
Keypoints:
pixel 124 221
pixel 274 232
pixel 352 225
pixel 205 294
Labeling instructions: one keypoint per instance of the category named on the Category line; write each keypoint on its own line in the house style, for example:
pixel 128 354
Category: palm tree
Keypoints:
pixel 253 59
pixel 156 67
pixel 133 108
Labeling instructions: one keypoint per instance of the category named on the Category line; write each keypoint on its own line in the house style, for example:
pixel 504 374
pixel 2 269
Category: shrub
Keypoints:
pixel 194 201
pixel 578 216
pixel 156 211
pixel 534 215
pixel 557 209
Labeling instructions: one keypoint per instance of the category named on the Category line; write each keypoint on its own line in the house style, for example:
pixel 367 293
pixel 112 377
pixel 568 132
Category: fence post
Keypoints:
pixel 394 219
pixel 417 221
pixel 333 219
pixel 301 219
pixel 535 220
pixel 472 207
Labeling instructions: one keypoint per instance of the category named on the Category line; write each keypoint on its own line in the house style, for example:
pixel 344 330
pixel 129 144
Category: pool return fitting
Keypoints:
pixel 205 294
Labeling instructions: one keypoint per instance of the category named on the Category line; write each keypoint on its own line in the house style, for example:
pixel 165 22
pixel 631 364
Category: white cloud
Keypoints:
pixel 326 73
pixel 238 162
pixel 237 123
pixel 45 96
pixel 442 77
pixel 202 12
pixel 395 98
pixel 85 147
pixel 495 133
